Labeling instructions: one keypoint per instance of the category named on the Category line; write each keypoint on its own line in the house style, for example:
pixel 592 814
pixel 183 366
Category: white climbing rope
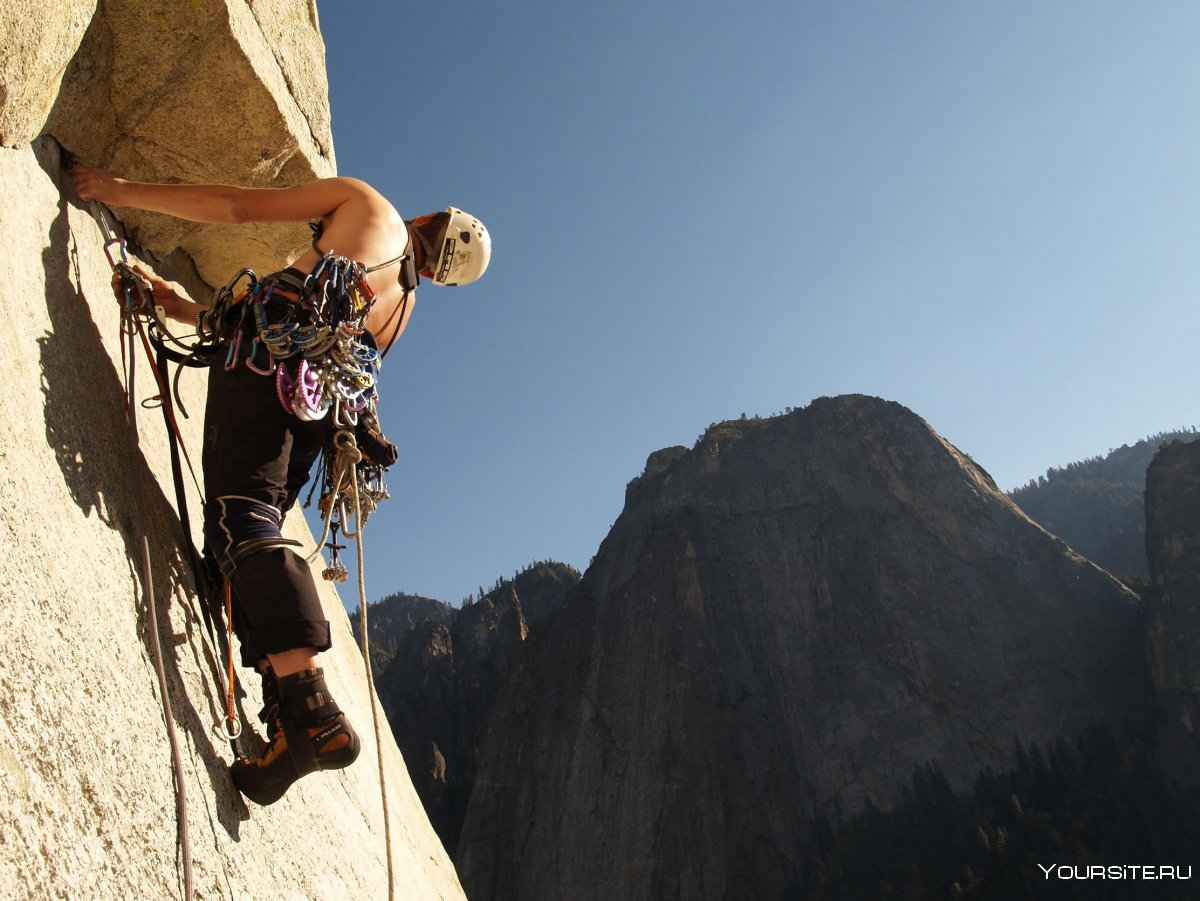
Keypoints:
pixel 345 470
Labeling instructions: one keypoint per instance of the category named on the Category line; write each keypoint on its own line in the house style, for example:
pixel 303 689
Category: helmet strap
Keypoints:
pixel 430 256
pixel 409 277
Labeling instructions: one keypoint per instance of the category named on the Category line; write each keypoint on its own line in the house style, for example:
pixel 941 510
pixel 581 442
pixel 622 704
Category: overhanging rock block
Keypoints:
pixel 37 40
pixel 196 93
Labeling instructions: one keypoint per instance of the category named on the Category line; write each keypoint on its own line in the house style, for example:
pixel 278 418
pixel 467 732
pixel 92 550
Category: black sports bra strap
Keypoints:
pixel 318 228
pixel 388 263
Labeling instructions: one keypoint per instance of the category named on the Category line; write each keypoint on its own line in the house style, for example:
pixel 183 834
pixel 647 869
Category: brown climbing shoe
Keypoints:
pixel 311 734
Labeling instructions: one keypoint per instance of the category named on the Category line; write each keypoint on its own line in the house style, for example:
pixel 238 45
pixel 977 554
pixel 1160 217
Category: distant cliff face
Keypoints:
pixel 224 91
pixel 1173 548
pixel 440 686
pixel 784 621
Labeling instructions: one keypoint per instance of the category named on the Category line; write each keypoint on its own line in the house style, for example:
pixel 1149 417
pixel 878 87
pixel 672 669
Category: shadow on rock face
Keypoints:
pixel 107 476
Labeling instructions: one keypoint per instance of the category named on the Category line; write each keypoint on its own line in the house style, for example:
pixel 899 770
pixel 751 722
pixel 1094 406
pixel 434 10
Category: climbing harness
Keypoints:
pixel 308 332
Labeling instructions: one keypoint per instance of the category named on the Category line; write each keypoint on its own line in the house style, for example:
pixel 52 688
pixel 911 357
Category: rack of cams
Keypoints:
pixel 321 333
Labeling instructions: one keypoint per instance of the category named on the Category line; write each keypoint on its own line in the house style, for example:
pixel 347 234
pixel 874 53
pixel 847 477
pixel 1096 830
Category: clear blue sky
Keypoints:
pixel 988 212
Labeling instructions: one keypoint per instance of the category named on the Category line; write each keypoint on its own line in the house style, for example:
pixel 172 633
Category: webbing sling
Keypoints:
pixel 199 577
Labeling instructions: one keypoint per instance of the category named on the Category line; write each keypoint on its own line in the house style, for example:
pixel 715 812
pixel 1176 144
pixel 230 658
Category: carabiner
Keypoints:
pixel 260 313
pixel 225 731
pixel 315 274
pixel 250 357
pixel 346 533
pixel 235 348
pixel 119 242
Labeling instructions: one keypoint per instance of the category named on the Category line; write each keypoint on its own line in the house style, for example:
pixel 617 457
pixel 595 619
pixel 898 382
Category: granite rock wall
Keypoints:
pixel 223 91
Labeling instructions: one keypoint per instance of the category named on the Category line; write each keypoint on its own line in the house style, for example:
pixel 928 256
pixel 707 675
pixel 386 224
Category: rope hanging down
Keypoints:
pixel 185 842
pixel 344 485
pixel 134 311
pixel 140 319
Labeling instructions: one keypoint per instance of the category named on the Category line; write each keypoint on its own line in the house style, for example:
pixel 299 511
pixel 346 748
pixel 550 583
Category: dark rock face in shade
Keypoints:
pixel 784 622
pixel 439 687
pixel 1173 550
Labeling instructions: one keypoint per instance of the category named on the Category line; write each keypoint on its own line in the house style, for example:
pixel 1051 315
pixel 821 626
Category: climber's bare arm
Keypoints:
pixel 227 203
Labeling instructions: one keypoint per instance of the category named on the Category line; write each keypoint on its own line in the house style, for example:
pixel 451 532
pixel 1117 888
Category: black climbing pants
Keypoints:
pixel 256 459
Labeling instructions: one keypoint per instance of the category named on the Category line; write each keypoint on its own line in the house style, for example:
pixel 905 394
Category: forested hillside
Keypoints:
pixel 393 617
pixel 1096 505
pixel 1093 801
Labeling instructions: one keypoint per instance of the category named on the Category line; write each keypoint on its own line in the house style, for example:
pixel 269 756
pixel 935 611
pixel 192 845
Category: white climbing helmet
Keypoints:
pixel 466 250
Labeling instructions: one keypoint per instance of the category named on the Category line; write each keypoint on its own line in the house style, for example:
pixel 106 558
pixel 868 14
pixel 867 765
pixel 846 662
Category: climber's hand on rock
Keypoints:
pixel 96 184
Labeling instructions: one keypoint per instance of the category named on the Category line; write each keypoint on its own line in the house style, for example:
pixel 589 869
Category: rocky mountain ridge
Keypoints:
pixel 784 622
pixel 391 618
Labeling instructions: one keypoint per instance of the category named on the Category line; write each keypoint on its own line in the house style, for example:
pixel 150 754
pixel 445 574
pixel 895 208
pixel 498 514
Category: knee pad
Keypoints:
pixel 238 527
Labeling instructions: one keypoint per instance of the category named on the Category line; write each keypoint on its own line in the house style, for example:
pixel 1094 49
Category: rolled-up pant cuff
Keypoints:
pixel 275 638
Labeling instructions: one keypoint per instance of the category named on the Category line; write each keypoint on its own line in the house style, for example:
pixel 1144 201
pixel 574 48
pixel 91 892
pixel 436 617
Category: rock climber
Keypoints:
pixel 257 454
